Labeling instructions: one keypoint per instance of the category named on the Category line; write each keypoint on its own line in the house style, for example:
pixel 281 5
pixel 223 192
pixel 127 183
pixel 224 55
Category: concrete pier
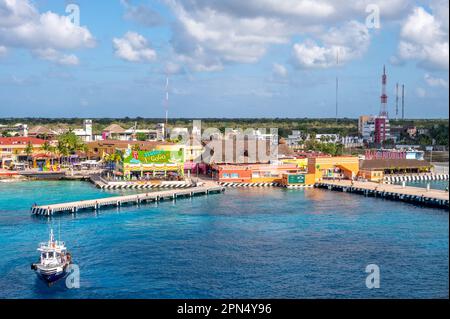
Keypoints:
pixel 414 195
pixel 118 201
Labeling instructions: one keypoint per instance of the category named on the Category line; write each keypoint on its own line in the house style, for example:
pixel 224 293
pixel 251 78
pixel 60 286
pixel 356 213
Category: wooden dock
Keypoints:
pixel 414 195
pixel 118 201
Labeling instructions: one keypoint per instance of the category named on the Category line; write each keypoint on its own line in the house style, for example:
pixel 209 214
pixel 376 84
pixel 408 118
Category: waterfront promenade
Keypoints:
pixel 431 197
pixel 118 201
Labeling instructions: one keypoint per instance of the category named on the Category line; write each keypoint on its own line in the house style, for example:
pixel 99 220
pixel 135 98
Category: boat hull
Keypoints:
pixel 50 275
pixel 51 278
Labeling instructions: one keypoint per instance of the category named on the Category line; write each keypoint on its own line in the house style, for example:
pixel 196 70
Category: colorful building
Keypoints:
pixel 395 166
pixel 13 149
pixel 161 163
pixel 333 167
pixel 98 149
pixel 382 129
pixel 252 173
pixel 372 175
pixel 302 163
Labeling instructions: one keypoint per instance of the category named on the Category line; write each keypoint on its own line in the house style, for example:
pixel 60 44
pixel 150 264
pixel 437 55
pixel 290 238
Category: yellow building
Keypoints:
pixel 371 175
pixel 333 167
pixel 14 149
pixel 301 163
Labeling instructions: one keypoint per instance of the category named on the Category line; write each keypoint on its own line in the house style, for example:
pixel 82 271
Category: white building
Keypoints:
pixel 132 134
pixel 368 130
pixel 352 141
pixel 296 138
pixel 18 129
pixel 272 137
pixel 177 132
pixel 160 131
pixel 86 133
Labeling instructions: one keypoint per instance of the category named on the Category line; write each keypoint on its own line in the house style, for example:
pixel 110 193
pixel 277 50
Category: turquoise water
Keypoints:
pixel 442 185
pixel 246 243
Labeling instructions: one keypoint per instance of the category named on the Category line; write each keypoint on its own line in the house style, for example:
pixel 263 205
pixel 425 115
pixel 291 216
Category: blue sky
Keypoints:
pixel 230 58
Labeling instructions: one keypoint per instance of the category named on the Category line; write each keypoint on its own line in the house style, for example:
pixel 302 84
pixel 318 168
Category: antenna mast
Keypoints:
pixel 403 102
pixel 337 84
pixel 167 100
pixel 384 97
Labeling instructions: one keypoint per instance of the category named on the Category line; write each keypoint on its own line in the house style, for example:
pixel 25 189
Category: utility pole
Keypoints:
pixel 403 102
pixel 166 106
pixel 337 84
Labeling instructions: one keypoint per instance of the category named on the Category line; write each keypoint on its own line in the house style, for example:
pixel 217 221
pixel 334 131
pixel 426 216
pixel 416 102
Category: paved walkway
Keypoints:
pixel 390 188
pixel 118 201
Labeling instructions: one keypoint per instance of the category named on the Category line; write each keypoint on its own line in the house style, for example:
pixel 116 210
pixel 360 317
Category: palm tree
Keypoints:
pixel 46 147
pixel 29 149
pixel 114 158
pixel 62 151
pixel 135 147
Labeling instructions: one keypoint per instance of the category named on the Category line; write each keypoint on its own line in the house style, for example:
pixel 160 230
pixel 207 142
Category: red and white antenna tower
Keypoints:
pixel 383 110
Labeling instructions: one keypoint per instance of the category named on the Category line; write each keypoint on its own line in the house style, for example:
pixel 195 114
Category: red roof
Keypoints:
pixel 20 141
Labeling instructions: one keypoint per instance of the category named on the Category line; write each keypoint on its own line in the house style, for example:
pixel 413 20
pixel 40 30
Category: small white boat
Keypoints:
pixel 53 261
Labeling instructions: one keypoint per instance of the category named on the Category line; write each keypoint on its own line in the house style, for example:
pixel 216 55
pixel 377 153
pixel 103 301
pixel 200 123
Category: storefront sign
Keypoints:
pixel 153 157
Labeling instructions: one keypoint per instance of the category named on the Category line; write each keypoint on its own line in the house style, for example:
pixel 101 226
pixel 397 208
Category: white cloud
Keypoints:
pixel 56 56
pixel 211 34
pixel 435 81
pixel 339 45
pixel 3 51
pixel 14 13
pixel 279 70
pixel 395 60
pixel 22 26
pixel 141 14
pixel 173 68
pixel 424 37
pixel 133 47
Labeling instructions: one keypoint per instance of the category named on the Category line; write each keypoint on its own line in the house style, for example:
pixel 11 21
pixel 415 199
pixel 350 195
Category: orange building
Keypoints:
pixel 371 175
pixel 253 173
pixel 333 167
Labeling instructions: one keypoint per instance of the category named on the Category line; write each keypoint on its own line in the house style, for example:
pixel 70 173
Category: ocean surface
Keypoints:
pixel 245 243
